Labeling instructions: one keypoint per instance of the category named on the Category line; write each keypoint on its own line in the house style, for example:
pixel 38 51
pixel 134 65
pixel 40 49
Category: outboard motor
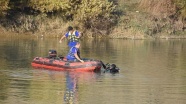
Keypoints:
pixel 52 53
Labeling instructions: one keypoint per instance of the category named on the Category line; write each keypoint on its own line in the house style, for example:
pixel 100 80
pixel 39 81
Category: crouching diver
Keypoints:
pixel 73 53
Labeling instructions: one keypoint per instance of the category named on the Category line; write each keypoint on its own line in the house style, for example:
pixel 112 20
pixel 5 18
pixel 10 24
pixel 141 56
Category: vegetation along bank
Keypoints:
pixel 135 19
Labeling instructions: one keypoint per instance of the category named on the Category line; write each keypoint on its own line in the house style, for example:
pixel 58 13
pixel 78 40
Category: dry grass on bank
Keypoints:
pixel 130 33
pixel 2 31
pixel 160 8
pixel 148 19
pixel 38 25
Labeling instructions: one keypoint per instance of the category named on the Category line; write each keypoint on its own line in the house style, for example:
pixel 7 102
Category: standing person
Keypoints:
pixel 72 54
pixel 73 37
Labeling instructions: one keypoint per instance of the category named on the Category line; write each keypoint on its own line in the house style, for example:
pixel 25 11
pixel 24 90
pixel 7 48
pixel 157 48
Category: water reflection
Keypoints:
pixel 59 87
pixel 71 92
pixel 74 82
pixel 4 84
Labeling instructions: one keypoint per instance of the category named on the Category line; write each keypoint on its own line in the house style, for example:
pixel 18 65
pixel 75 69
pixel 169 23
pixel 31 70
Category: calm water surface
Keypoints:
pixel 152 72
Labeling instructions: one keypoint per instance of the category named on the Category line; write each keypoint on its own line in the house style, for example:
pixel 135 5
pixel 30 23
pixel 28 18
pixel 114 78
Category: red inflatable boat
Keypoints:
pixel 62 64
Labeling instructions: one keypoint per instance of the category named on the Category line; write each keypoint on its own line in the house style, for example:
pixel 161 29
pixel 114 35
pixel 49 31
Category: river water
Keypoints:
pixel 151 72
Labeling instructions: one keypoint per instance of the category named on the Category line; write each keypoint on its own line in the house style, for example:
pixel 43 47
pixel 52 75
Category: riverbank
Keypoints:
pixel 144 19
pixel 133 22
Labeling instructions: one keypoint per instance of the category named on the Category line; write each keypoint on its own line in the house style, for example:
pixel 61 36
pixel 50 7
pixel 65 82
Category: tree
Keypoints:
pixel 96 14
pixel 181 7
pixel 3 7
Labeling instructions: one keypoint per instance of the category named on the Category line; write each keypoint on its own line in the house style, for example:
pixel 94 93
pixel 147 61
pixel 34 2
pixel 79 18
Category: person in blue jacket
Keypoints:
pixel 72 54
pixel 73 37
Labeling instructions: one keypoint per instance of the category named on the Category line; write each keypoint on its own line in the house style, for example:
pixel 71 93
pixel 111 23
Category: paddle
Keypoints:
pixel 104 66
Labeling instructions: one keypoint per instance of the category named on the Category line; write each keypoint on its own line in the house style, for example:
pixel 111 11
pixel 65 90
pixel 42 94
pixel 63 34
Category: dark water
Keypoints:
pixel 152 72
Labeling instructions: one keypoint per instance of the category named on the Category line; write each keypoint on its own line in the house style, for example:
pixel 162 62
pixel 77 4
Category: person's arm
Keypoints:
pixel 62 38
pixel 77 57
pixel 78 34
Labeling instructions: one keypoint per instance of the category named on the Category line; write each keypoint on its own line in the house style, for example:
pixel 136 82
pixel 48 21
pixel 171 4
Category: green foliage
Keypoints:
pixel 62 8
pixel 88 13
pixel 45 6
pixel 3 6
pixel 96 8
pixel 96 14
pixel 18 4
pixel 181 7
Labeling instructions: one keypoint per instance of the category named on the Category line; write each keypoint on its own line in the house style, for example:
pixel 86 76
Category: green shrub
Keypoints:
pixel 96 15
pixel 181 7
pixel 3 6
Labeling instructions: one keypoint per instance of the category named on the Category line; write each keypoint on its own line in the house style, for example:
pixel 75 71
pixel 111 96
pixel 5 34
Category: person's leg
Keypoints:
pixel 78 53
